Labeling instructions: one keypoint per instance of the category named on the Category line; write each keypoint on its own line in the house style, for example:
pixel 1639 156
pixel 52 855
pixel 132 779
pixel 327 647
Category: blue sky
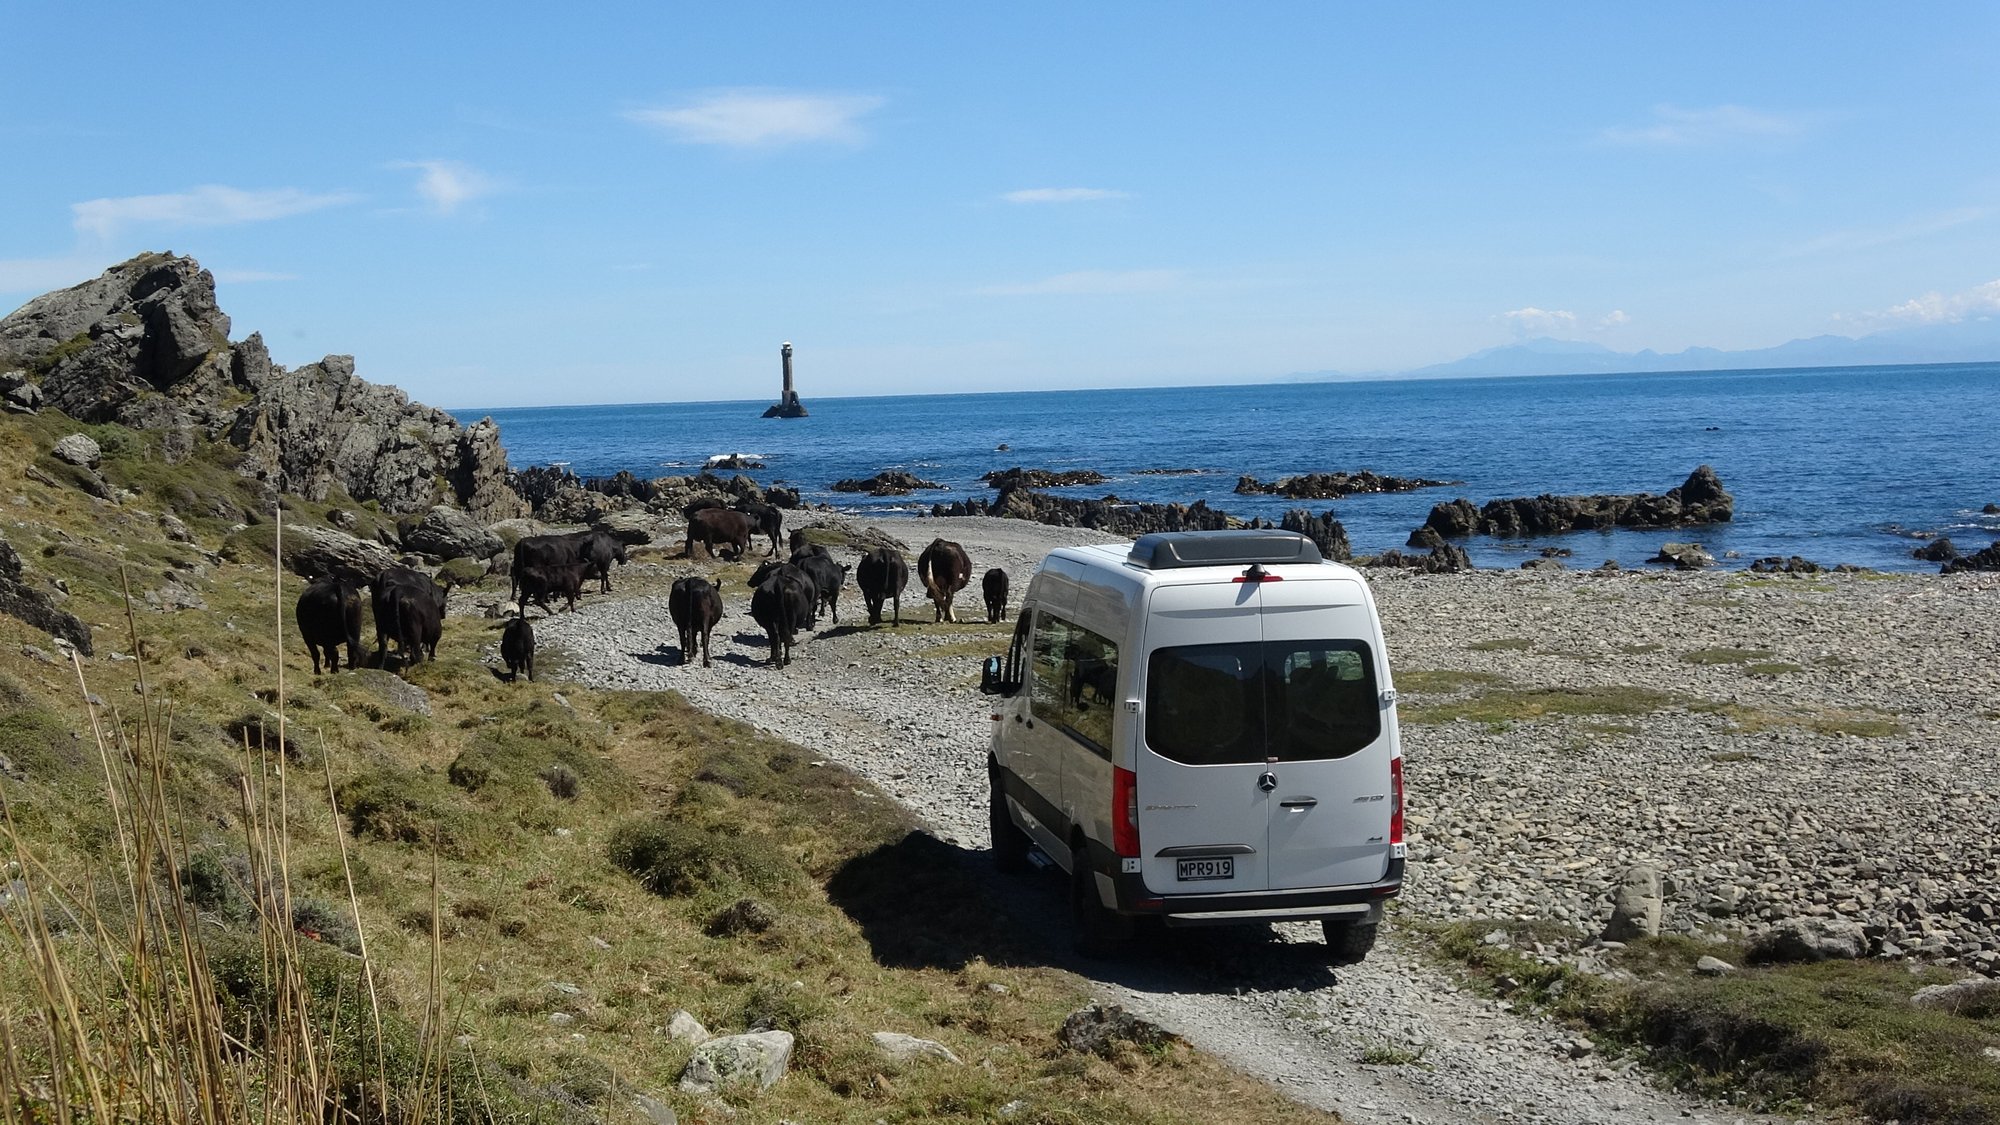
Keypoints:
pixel 640 202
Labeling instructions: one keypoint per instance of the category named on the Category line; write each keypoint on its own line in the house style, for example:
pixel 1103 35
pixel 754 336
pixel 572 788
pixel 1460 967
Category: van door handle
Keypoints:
pixel 1298 803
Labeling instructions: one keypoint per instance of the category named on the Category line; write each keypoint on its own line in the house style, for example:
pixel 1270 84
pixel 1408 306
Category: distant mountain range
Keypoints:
pixel 1969 341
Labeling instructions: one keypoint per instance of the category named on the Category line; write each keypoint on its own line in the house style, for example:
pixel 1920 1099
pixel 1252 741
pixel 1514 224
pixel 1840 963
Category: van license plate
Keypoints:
pixel 1215 867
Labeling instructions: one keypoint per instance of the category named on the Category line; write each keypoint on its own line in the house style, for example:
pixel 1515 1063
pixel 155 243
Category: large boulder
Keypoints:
pixel 758 1057
pixel 1325 532
pixel 1683 556
pixel 312 552
pixel 446 532
pixel 1809 939
pixel 80 450
pixel 1636 905
pixel 1937 550
pixel 35 607
pixel 902 1048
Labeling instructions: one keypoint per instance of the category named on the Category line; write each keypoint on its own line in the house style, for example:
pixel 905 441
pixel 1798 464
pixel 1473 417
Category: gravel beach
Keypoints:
pixel 1777 747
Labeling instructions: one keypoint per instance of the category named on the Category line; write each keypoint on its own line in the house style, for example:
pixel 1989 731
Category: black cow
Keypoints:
pixel 695 606
pixel 718 525
pixel 798 542
pixel 783 604
pixel 827 579
pixel 539 583
pixel 944 570
pixel 994 585
pixel 595 548
pixel 409 608
pixel 517 648
pixel 770 521
pixel 691 507
pixel 881 574
pixel 329 615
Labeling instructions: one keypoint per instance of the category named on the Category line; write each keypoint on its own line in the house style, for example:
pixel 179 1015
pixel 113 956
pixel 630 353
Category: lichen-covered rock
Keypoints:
pixel 446 532
pixel 908 1048
pixel 1809 939
pixel 1636 905
pixel 79 450
pixel 684 1028
pixel 759 1057
pixel 1097 1028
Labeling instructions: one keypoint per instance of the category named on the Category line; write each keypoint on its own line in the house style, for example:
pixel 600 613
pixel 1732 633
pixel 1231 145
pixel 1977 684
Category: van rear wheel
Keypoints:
pixel 1100 931
pixel 1347 943
pixel 1010 844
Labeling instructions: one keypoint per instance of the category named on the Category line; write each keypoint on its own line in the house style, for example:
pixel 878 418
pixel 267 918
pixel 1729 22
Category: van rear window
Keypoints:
pixel 1290 700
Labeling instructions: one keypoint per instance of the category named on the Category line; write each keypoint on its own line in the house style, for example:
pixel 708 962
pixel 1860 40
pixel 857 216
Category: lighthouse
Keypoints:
pixel 788 404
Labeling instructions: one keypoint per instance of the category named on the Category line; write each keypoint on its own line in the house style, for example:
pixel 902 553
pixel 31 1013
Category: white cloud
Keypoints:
pixel 1533 321
pixel 1673 127
pixel 1938 308
pixel 211 205
pixel 1063 195
pixel 762 118
pixel 1616 318
pixel 1092 282
pixel 447 184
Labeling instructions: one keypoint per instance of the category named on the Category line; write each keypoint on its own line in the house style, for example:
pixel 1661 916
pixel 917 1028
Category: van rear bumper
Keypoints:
pixel 1358 902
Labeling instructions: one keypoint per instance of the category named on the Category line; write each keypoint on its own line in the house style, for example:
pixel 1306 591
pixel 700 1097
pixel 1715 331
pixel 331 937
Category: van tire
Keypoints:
pixel 1010 844
pixel 1347 943
pixel 1100 931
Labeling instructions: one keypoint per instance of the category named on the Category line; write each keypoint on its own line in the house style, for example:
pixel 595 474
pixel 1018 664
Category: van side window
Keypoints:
pixel 1014 668
pixel 1075 682
pixel 1288 700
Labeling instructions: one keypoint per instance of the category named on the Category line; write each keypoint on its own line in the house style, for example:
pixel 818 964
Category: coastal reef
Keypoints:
pixel 1332 486
pixel 1699 499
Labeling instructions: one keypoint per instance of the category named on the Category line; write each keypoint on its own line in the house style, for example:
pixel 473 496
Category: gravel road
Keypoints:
pixel 1754 804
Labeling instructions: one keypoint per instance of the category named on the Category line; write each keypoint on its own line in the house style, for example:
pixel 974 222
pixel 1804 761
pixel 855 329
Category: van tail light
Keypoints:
pixel 1125 811
pixel 1396 793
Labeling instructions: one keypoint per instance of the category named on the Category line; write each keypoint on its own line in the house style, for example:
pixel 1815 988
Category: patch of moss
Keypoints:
pixel 1727 656
pixel 1444 681
pixel 1502 644
pixel 1517 705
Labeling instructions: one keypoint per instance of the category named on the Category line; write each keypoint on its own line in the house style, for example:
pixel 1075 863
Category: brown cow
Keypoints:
pixel 944 570
pixel 719 525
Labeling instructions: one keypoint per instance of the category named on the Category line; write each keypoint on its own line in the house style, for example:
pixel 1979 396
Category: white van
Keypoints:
pixel 1201 727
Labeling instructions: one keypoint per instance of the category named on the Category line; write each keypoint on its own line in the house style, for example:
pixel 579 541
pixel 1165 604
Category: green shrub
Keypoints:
pixel 676 858
pixel 408 807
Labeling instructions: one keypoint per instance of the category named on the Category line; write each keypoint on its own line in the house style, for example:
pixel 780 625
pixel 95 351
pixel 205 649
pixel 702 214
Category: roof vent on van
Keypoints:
pixel 1171 550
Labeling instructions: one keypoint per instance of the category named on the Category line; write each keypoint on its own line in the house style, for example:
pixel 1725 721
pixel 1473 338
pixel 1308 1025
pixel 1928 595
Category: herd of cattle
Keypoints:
pixel 786 597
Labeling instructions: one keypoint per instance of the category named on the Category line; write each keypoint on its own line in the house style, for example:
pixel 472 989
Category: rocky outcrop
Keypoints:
pixel 1325 531
pixel 890 482
pixel 445 532
pixel 1699 499
pixel 1937 550
pixel 1446 558
pixel 146 345
pixel 1018 477
pixel 1333 486
pixel 1780 564
pixel 37 608
pixel 1985 559
pixel 1683 556
pixel 1109 514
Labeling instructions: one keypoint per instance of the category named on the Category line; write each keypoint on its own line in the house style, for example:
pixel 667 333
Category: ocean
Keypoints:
pixel 1839 465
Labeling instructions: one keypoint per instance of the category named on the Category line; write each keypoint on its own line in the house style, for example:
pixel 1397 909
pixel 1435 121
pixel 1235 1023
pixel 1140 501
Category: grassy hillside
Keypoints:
pixel 241 892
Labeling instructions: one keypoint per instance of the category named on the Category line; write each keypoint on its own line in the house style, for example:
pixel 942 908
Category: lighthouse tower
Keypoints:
pixel 788 404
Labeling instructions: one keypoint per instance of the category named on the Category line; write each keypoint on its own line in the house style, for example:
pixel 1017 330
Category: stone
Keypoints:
pixel 1636 905
pixel 35 607
pixel 17 394
pixel 1809 939
pixel 757 1058
pixel 1709 966
pixel 1973 997
pixel 908 1048
pixel 1018 477
pixel 387 687
pixel 1543 564
pixel 654 1110
pixel 1937 550
pixel 1699 499
pixel 1333 486
pixel 446 532
pixel 174 529
pixel 1987 558
pixel 684 1028
pixel 890 482
pixel 80 450
pixel 1683 556
pixel 634 528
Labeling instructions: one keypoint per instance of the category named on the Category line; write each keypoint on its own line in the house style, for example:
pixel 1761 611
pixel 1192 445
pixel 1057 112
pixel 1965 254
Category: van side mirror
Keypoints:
pixel 990 682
